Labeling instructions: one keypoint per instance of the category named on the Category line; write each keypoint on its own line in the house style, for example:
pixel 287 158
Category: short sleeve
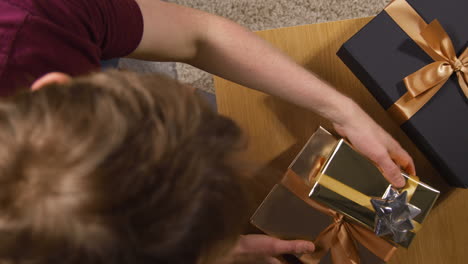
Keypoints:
pixel 71 36
pixel 118 26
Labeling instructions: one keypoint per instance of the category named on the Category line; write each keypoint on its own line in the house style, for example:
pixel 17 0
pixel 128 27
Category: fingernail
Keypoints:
pixel 401 182
pixel 306 250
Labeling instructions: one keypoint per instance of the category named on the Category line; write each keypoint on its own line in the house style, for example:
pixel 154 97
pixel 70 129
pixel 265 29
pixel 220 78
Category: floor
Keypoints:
pixel 259 15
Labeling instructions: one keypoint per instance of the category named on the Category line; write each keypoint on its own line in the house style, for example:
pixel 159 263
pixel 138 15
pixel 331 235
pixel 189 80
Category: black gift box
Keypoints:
pixel 381 55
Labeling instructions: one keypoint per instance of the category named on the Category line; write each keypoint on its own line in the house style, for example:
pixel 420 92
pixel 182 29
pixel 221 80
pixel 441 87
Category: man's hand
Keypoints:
pixel 265 249
pixel 372 141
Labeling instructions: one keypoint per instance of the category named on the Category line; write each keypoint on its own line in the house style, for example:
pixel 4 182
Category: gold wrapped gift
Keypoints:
pixel 345 181
pixel 292 215
pixel 332 178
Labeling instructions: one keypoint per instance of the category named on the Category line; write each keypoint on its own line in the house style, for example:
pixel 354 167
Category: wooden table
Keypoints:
pixel 277 130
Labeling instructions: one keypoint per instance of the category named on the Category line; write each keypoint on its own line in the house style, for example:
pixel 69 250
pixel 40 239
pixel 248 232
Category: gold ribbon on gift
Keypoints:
pixel 362 199
pixel 338 238
pixel 426 82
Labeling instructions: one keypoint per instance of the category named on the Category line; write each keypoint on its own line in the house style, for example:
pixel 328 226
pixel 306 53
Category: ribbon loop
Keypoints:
pixel 439 41
pixel 462 73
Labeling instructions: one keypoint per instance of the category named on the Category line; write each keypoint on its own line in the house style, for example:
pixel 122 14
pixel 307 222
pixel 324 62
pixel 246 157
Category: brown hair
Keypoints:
pixel 116 168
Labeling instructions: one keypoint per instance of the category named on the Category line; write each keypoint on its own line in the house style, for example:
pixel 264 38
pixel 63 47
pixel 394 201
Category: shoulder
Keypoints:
pixel 12 18
pixel 72 36
pixel 8 6
pixel 39 36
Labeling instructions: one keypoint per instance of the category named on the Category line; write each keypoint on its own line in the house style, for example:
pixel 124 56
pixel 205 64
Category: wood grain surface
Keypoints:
pixel 277 130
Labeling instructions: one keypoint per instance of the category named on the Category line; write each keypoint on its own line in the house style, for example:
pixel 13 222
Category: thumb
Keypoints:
pixel 293 247
pixel 262 244
pixel 391 171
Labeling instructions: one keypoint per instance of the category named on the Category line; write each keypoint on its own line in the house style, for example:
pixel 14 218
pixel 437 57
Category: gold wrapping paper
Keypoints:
pixel 326 175
pixel 344 180
pixel 288 213
pixel 300 220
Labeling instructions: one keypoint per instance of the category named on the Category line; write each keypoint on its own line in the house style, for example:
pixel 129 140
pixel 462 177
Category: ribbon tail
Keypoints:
pixel 373 243
pixel 336 239
pixel 345 250
pixel 323 243
pixel 464 57
pixel 339 256
pixel 438 39
pixel 405 107
pixel 463 81
pixel 463 73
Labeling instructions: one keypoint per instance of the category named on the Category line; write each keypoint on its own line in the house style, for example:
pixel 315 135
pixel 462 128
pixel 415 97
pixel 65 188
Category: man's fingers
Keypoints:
pixel 272 260
pixel 266 245
pixel 402 158
pixel 293 247
pixel 249 258
pixel 390 170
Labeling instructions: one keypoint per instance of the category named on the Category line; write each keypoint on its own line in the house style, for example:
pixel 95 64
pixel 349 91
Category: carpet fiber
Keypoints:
pixel 260 15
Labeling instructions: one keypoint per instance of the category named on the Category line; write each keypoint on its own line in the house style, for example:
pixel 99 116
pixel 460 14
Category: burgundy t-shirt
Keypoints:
pixel 71 36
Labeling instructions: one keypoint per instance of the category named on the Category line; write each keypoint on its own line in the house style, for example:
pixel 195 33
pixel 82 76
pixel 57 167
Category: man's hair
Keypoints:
pixel 116 168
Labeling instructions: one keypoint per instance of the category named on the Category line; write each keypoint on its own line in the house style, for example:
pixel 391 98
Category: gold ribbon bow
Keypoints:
pixel 339 237
pixel 426 82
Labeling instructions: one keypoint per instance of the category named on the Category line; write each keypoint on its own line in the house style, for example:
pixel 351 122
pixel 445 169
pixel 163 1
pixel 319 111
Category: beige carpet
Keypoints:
pixel 260 15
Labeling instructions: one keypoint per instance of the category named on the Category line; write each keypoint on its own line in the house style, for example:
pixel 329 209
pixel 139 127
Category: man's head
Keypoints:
pixel 116 168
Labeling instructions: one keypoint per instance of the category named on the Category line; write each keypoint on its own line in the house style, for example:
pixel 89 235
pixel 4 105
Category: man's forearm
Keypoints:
pixel 232 52
pixel 224 48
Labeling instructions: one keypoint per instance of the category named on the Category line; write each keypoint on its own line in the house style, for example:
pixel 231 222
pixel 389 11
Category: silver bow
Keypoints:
pixel 394 215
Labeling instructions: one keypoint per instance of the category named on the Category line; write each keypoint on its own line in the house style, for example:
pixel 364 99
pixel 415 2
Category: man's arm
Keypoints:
pixel 222 47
